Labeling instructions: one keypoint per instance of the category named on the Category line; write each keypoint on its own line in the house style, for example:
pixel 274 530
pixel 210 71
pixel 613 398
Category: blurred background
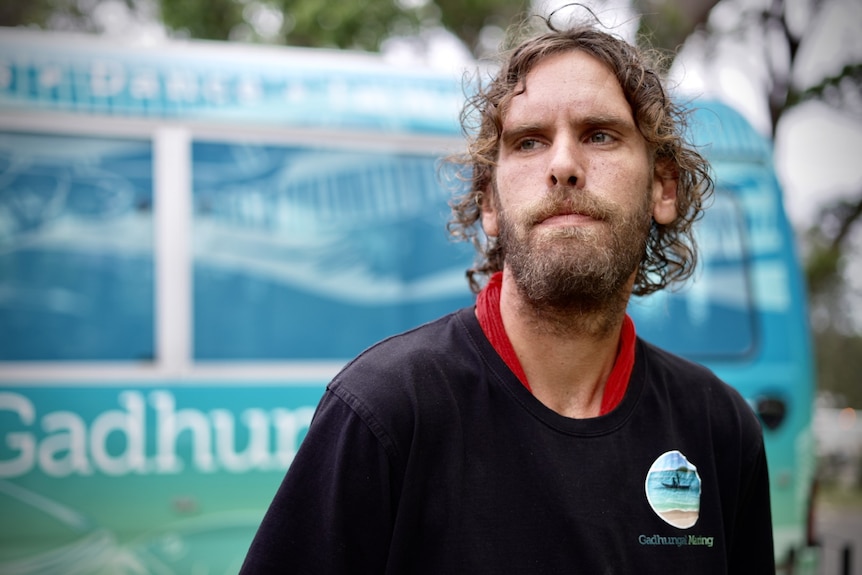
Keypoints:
pixel 792 67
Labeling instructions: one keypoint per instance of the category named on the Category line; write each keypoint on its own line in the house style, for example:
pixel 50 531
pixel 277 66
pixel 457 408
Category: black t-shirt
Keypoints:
pixel 427 455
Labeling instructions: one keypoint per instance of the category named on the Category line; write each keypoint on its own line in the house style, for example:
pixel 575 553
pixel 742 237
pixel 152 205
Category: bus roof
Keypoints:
pixel 216 81
pixel 723 134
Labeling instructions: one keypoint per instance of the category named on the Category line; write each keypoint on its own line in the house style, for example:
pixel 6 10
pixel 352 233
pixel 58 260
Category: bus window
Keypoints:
pixel 285 236
pixel 76 248
pixel 712 316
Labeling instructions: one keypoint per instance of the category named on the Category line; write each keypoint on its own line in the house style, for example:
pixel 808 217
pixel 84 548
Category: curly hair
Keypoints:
pixel 671 252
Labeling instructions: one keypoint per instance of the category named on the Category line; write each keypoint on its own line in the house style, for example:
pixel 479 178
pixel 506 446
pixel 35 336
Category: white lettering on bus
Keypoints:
pixel 23 443
pixel 182 87
pixel 107 78
pixel 144 85
pixel 67 445
pixel 62 453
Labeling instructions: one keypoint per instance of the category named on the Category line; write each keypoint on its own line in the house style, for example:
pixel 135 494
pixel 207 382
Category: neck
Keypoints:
pixel 566 352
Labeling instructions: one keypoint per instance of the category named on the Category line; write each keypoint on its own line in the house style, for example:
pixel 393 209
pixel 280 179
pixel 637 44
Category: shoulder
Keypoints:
pixel 420 353
pixel 418 373
pixel 694 391
pixel 664 362
pixel 682 375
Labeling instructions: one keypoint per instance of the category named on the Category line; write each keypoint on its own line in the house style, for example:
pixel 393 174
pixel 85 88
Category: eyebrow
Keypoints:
pixel 611 121
pixel 517 132
pixel 608 121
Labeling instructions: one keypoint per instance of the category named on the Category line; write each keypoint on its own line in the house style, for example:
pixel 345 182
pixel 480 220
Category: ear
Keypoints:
pixel 489 212
pixel 665 181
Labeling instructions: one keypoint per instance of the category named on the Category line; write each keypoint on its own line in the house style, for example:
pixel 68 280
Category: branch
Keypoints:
pixel 853 211
pixel 829 85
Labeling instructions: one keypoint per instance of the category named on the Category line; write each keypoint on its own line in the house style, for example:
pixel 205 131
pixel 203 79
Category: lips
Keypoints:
pixel 571 212
pixel 568 218
pixel 562 208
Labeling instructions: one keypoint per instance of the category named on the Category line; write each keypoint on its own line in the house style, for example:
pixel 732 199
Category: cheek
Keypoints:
pixel 626 181
pixel 612 180
pixel 507 177
pixel 520 184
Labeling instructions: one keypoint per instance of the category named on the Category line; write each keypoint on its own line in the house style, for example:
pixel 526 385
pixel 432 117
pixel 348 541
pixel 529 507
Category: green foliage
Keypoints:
pixel 63 14
pixel 15 13
pixel 840 91
pixel 838 346
pixel 467 18
pixel 825 242
pixel 838 357
pixel 205 19
pixel 823 268
pixel 360 24
pixel 665 26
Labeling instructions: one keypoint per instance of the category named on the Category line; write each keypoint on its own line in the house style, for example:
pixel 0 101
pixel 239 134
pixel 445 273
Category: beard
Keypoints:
pixel 583 269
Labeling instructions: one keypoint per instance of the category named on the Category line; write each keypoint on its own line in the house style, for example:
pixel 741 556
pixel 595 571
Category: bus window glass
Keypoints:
pixel 712 316
pixel 76 248
pixel 304 253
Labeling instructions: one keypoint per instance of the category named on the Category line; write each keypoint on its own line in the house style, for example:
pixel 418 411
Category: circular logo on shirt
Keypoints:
pixel 673 489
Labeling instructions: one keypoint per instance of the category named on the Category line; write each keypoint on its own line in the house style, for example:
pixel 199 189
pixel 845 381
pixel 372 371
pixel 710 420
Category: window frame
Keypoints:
pixel 172 220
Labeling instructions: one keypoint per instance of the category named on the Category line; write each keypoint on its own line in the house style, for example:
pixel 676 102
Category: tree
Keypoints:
pixel 839 363
pixel 321 23
pixel 667 24
pixel 361 24
pixel 53 14
pixel 316 23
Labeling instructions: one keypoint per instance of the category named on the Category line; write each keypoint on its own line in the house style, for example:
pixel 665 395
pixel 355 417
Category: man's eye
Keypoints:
pixel 528 144
pixel 601 138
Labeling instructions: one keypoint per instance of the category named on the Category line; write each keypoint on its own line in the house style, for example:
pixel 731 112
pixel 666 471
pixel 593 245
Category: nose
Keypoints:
pixel 565 167
pixel 572 180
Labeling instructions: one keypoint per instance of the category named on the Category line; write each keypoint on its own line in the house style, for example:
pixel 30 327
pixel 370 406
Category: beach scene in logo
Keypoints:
pixel 673 489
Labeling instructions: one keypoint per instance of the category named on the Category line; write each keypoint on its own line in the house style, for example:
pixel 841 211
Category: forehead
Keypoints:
pixel 573 82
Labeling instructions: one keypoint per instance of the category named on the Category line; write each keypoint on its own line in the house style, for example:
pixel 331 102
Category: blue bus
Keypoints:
pixel 195 237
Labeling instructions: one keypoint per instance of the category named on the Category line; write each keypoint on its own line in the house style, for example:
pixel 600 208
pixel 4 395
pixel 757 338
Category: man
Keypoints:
pixel 535 433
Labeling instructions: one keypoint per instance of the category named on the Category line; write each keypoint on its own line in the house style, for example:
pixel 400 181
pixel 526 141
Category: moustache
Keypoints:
pixel 562 201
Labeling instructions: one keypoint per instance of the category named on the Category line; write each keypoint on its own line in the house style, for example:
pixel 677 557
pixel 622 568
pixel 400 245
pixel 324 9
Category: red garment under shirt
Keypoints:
pixel 491 321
